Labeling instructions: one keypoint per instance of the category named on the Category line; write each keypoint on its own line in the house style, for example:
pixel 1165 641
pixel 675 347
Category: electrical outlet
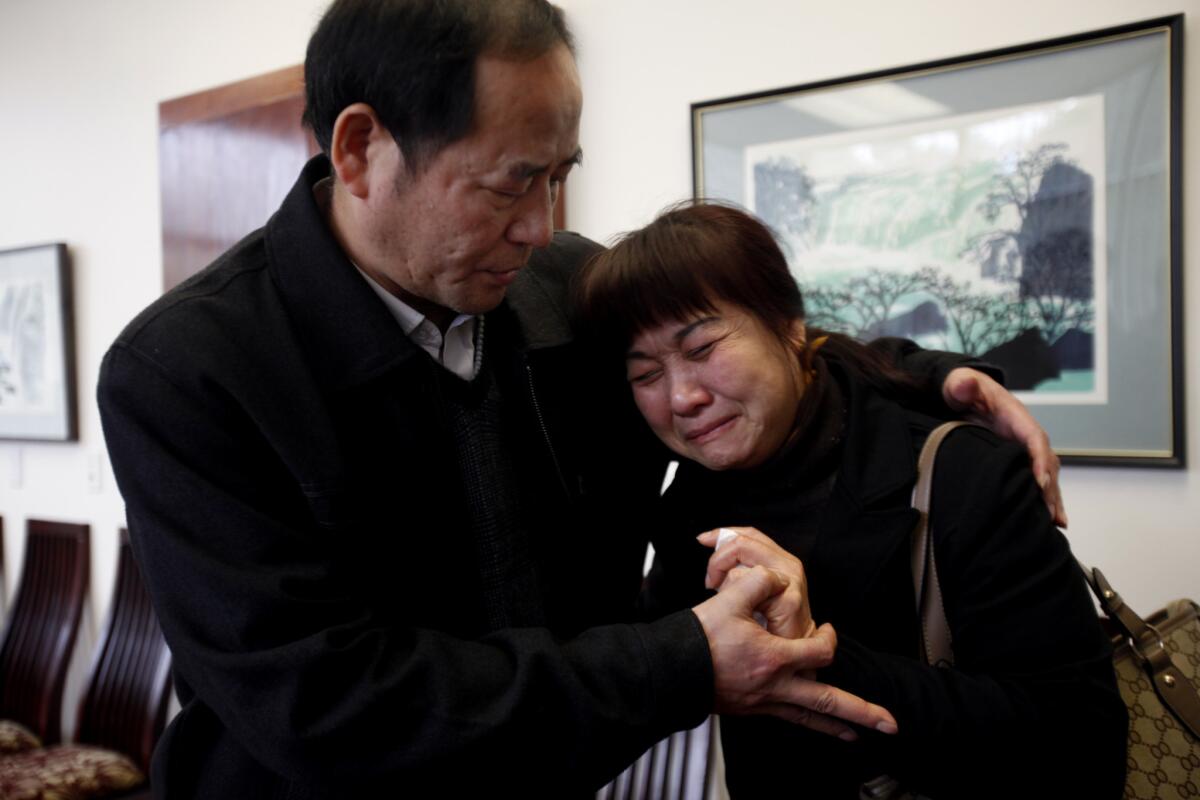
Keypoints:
pixel 95 473
pixel 16 468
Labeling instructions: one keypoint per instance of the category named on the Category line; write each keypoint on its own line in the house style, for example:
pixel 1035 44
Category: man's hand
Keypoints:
pixel 788 613
pixel 990 404
pixel 756 672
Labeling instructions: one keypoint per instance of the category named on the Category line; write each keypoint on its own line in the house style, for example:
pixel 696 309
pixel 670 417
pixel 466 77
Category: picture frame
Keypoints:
pixel 37 345
pixel 1021 205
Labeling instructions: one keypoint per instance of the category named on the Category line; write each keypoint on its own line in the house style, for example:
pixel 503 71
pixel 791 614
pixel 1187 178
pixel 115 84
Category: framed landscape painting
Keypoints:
pixel 37 345
pixel 1020 205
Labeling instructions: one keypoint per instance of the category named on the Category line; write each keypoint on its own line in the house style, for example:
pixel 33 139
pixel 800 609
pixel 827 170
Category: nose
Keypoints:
pixel 688 395
pixel 534 223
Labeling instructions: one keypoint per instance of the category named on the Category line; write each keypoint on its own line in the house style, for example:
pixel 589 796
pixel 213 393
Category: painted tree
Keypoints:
pixel 1017 188
pixel 980 320
pixel 864 302
pixel 783 196
pixel 1013 188
pixel 1058 282
pixel 1053 203
pixel 823 306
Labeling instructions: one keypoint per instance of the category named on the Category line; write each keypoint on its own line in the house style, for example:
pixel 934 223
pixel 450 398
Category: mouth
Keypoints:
pixel 711 431
pixel 503 276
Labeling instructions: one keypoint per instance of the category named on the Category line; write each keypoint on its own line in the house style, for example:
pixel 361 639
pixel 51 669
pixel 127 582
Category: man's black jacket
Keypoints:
pixel 295 508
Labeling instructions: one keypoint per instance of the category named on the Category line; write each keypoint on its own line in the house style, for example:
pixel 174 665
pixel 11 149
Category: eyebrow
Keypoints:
pixel 679 336
pixel 523 170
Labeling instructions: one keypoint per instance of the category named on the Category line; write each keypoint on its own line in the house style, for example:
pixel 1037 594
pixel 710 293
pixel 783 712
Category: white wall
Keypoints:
pixel 79 88
pixel 80 84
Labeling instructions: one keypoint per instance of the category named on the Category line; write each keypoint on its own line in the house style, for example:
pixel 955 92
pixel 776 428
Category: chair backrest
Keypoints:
pixel 40 634
pixel 124 704
pixel 677 768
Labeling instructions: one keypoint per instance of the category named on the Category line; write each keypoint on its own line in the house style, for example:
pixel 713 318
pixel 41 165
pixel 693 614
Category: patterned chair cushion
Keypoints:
pixel 66 772
pixel 15 738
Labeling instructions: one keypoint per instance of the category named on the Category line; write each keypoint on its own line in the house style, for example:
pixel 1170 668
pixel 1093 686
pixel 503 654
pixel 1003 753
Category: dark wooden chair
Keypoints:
pixel 677 768
pixel 124 705
pixel 40 633
pixel 122 712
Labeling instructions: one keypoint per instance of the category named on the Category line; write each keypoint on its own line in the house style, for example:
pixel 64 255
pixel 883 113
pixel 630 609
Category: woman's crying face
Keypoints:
pixel 718 388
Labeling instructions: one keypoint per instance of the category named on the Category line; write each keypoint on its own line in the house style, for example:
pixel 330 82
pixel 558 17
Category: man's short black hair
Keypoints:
pixel 413 61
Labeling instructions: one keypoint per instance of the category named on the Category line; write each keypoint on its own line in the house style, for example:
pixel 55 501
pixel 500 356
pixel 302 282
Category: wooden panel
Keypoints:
pixel 227 158
pixel 231 98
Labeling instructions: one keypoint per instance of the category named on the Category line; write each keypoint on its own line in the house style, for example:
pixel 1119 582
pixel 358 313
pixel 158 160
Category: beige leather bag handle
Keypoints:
pixel 935 630
pixel 936 643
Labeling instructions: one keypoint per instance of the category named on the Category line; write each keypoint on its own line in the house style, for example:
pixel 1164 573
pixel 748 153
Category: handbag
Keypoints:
pixel 1157 661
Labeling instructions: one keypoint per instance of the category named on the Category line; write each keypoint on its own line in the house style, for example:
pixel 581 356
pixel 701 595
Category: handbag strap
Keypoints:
pixel 936 643
pixel 1172 687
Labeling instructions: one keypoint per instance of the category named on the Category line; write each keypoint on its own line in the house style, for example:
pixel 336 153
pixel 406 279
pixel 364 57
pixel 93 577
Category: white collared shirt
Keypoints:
pixel 455 351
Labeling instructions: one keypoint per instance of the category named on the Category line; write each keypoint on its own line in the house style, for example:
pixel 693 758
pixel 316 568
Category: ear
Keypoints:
pixel 360 146
pixel 798 335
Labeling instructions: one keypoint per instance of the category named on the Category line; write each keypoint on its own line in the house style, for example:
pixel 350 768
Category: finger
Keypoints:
pixel 747 552
pixel 831 701
pixel 1060 510
pixel 811 720
pixel 961 388
pixel 752 588
pixel 1052 492
pixel 785 615
pixel 1046 468
pixel 812 652
pixel 710 538
pixel 745 531
pixel 782 614
pixel 1007 416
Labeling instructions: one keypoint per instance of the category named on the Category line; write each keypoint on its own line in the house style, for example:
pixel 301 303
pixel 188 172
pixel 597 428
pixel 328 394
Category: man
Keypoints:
pixel 391 529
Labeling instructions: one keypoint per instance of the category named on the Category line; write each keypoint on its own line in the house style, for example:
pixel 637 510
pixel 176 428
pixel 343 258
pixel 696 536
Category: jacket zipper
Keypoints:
pixel 537 410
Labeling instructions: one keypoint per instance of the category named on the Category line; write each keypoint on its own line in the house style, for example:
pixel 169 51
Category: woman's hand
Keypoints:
pixel 787 613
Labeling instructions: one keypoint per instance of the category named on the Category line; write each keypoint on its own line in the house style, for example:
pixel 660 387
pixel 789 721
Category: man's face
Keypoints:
pixel 454 236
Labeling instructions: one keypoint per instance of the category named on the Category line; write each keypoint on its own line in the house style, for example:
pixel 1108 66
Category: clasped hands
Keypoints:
pixel 771 670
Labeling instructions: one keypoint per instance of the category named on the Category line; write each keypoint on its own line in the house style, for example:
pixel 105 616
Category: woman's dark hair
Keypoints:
pixel 413 62
pixel 684 261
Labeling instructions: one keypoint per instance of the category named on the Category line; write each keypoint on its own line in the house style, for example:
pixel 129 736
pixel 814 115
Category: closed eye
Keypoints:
pixel 645 377
pixel 702 350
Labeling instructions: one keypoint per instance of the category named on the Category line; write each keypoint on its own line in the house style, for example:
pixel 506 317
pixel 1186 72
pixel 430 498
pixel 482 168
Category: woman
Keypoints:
pixel 809 441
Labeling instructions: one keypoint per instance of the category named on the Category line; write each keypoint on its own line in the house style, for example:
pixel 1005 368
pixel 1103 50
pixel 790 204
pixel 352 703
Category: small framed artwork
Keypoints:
pixel 1020 205
pixel 37 345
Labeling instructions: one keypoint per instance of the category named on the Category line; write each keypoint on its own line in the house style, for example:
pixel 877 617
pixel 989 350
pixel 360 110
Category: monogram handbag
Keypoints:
pixel 1158 671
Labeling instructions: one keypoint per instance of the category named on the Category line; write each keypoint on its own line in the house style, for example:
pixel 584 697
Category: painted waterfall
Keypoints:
pixel 980 233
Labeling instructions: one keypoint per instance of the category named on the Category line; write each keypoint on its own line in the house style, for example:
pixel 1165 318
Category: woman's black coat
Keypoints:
pixel 1031 707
